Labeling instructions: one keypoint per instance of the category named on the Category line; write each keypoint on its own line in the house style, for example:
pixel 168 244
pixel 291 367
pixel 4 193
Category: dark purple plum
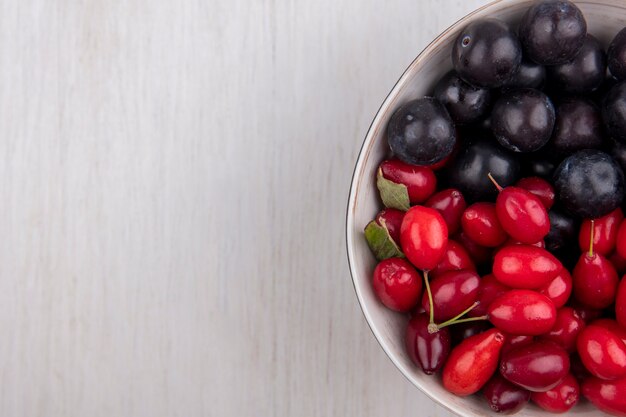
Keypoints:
pixel 614 111
pixel 578 126
pixel 552 32
pixel 583 74
pixel 522 120
pixel 617 55
pixel 486 53
pixel 618 152
pixel 563 230
pixel 464 102
pixel 529 75
pixel 421 132
pixel 538 165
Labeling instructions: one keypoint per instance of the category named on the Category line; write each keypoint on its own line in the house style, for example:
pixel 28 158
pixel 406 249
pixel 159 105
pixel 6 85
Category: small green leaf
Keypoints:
pixel 380 241
pixel 393 195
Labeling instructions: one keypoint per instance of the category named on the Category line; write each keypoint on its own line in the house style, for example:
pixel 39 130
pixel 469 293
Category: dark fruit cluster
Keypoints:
pixel 503 237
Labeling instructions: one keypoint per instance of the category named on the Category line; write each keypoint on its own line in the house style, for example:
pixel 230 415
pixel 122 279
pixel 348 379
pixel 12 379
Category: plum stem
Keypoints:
pixel 493 180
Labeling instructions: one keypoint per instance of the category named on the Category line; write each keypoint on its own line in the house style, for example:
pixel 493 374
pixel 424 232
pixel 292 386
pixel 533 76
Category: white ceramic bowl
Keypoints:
pixel 604 19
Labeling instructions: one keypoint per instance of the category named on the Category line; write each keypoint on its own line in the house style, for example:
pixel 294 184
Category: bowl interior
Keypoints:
pixel 604 19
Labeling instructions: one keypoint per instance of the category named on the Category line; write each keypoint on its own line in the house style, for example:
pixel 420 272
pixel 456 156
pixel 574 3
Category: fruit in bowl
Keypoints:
pixel 486 237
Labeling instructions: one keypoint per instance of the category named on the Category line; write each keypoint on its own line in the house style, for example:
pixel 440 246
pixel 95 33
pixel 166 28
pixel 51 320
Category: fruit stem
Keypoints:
pixel 494 181
pixel 430 301
pixel 458 316
pixel 591 241
pixel 465 320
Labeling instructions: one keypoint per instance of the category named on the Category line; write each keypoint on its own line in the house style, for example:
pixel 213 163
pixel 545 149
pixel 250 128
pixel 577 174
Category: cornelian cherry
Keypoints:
pixel 420 181
pixel 522 312
pixel 560 398
pixel 522 214
pixel 525 266
pixel 515 341
pixel 455 258
pixel 602 352
pixel 503 396
pixel 479 254
pixel 480 223
pixel 489 289
pixel 620 303
pixel 424 237
pixel 539 187
pixel 559 288
pixel 608 396
pixel 451 204
pixel 391 219
pixel 612 326
pixel 427 350
pixel 397 284
pixel 620 243
pixel 604 232
pixel 566 329
pixel 452 293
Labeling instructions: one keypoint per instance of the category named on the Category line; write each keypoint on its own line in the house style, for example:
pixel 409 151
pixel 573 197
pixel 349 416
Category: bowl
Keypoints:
pixel 604 19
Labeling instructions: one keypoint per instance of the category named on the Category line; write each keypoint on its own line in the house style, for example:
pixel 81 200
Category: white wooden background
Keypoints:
pixel 173 181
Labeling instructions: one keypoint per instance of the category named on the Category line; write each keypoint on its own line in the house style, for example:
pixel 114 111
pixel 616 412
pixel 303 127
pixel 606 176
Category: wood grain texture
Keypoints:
pixel 173 184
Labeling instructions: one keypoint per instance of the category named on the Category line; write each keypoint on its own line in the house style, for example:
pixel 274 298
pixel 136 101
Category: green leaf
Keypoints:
pixel 380 241
pixel 393 195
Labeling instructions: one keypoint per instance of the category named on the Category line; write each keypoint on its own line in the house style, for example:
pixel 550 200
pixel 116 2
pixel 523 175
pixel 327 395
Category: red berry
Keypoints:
pixel 480 223
pixel 612 326
pixel 452 293
pixel 620 243
pixel 455 258
pixel 503 396
pixel 620 303
pixel 397 284
pixel 559 289
pixel 560 398
pixel 618 262
pixel 588 314
pixel 420 181
pixel 523 312
pixel 602 352
pixel 451 204
pixel 479 254
pixel 594 281
pixel 427 350
pixel 424 237
pixel 525 266
pixel 538 367
pixel 608 396
pixel 566 329
pixel 489 289
pixel 391 219
pixel 540 188
pixel 515 341
pixel 472 363
pixel 510 242
pixel 604 232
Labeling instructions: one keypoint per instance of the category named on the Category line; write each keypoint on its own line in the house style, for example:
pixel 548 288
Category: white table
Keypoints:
pixel 174 177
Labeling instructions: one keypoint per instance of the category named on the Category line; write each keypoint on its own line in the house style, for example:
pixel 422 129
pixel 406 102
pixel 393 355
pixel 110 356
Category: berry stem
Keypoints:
pixel 430 301
pixel 465 320
pixel 493 180
pixel 591 240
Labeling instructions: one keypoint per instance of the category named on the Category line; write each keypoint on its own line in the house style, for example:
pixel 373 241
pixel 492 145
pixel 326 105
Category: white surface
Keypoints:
pixel 173 190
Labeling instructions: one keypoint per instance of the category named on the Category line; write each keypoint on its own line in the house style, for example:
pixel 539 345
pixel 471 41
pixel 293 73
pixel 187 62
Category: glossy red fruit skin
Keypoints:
pixel 559 289
pixel 479 254
pixel 490 289
pixel 618 262
pixel 604 232
pixel 510 242
pixel 392 219
pixel 602 352
pixel 620 303
pixel 540 188
pixel 522 215
pixel 451 204
pixel 397 284
pixel 420 181
pixel 480 223
pixel 620 243
pixel 472 363
pixel 424 237
pixel 612 326
pixel 522 312
pixel 608 396
pixel 538 367
pixel 560 398
pixel 594 281
pixel 525 266
pixel 455 258
pixel 588 314
pixel 452 292
pixel 504 397
pixel 566 329
pixel 427 350
pixel 515 341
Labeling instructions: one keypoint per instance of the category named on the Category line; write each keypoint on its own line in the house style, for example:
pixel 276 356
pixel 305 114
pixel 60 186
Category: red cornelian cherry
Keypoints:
pixel 456 258
pixel 521 214
pixel 397 284
pixel 489 289
pixel 472 363
pixel 420 181
pixel 604 232
pixel 424 237
pixel 560 398
pixel 559 289
pixel 620 303
pixel 480 223
pixel 608 396
pixel 391 219
pixel 539 187
pixel 588 314
pixel 451 204
pixel 602 352
pixel 525 266
pixel 566 329
pixel 620 243
pixel 479 254
pixel 522 312
pixel 452 293
pixel 618 262
pixel 515 341
pixel 510 242
pixel 594 279
pixel 612 326
pixel 503 396
pixel 537 367
pixel 427 350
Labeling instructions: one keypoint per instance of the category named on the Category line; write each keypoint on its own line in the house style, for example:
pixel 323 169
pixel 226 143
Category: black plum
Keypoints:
pixel 578 126
pixel 486 53
pixel 538 165
pixel 522 120
pixel 421 132
pixel 618 152
pixel 583 74
pixel 563 230
pixel 589 184
pixel 464 102
pixel 552 32
pixel 617 55
pixel 529 75
pixel 614 111
pixel 479 157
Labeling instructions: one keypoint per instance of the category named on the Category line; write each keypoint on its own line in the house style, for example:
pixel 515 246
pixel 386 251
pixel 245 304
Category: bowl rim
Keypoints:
pixel 355 181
